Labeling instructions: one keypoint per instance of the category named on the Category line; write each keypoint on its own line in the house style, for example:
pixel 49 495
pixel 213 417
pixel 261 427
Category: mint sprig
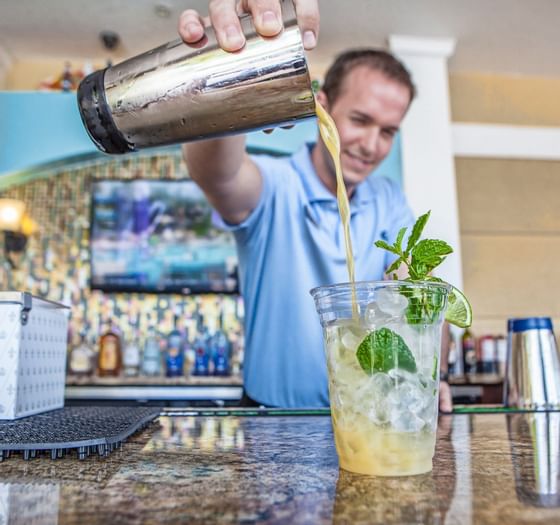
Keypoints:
pixel 420 258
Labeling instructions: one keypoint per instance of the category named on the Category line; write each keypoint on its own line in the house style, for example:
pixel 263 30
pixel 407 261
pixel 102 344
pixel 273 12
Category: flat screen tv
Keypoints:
pixel 157 236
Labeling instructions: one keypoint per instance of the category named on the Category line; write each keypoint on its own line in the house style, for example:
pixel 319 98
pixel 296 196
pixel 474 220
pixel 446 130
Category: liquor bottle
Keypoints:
pixel 469 353
pixel 201 350
pixel 237 353
pixel 81 361
pixel 131 356
pixel 452 358
pixel 67 81
pixel 221 353
pixel 189 355
pixel 501 355
pixel 109 361
pixel 174 357
pixel 488 354
pixel 151 359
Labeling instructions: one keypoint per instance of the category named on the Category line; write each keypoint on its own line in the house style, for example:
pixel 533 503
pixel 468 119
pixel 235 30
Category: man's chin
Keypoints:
pixel 353 178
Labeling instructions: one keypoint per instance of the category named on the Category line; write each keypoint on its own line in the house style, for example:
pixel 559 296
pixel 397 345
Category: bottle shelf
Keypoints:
pixel 72 380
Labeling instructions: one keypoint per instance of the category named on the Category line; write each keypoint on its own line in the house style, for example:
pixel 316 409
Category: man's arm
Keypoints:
pixel 226 174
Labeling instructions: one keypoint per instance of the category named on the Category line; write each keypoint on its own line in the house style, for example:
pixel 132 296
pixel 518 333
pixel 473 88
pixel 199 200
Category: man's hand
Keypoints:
pixel 267 17
pixel 445 398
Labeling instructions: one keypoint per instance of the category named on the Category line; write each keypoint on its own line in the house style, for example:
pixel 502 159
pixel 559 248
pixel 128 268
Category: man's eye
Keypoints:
pixel 388 132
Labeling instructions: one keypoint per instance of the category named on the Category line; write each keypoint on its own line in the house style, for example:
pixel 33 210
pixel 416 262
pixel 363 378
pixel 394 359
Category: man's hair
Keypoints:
pixel 374 59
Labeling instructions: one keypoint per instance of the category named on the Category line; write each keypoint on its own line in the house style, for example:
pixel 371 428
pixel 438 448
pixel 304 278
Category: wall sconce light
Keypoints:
pixel 11 214
pixel 17 226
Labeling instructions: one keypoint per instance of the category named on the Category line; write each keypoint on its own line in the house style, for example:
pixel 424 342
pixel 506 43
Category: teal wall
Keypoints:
pixel 38 130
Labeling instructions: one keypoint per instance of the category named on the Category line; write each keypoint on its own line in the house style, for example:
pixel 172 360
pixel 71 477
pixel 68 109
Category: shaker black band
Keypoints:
pixel 96 115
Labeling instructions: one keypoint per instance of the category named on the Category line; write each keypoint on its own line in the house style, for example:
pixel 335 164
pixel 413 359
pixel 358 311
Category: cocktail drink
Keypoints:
pixel 383 365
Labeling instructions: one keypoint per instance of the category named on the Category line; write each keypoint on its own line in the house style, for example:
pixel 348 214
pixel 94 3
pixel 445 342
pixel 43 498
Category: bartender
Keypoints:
pixel 283 211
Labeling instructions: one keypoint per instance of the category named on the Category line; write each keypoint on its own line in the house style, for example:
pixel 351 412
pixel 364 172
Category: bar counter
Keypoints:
pixel 207 467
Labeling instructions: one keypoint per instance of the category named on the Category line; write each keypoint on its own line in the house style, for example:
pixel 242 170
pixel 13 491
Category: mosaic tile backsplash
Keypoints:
pixel 55 263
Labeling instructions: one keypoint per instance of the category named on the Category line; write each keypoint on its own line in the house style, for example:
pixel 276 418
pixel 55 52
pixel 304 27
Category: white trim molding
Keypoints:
pixel 428 167
pixel 505 141
pixel 5 66
pixel 415 46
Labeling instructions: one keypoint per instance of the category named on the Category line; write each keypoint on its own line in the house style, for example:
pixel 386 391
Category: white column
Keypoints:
pixel 428 168
pixel 5 65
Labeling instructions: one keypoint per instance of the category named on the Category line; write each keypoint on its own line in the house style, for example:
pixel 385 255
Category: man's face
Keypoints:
pixel 367 114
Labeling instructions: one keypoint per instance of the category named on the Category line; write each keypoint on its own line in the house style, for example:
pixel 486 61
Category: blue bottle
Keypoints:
pixel 201 351
pixel 174 356
pixel 221 351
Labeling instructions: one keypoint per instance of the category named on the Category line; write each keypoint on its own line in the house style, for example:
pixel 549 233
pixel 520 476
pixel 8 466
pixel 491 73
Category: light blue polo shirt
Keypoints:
pixel 292 242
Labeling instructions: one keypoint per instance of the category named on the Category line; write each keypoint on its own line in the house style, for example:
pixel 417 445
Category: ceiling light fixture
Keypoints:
pixel 162 10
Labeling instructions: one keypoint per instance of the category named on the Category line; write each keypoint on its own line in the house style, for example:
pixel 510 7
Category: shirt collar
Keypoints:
pixel 315 190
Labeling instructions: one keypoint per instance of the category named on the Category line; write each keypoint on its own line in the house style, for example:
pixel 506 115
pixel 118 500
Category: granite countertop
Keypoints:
pixel 489 468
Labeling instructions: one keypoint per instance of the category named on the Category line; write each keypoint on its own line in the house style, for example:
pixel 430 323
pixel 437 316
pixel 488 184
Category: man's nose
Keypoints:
pixel 370 141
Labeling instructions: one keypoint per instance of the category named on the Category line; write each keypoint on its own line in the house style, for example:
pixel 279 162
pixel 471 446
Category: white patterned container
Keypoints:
pixel 33 334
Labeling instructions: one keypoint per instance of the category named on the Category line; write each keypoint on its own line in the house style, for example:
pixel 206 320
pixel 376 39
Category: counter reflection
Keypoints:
pixel 29 503
pixel 420 499
pixel 535 454
pixel 201 433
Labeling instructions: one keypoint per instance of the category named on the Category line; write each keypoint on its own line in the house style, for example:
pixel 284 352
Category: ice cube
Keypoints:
pixel 381 387
pixel 379 412
pixel 391 302
pixel 407 396
pixel 406 421
pixel 351 338
pixel 374 317
pixel 398 375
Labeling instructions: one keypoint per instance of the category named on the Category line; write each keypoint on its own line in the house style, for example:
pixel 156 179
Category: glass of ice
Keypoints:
pixel 382 344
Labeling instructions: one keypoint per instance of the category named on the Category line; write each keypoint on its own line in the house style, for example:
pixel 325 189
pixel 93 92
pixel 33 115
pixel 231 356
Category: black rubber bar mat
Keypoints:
pixel 87 430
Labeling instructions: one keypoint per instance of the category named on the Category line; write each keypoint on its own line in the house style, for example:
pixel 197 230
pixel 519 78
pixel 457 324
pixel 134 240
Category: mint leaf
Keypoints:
pixel 395 265
pixel 417 230
pixel 400 237
pixel 428 249
pixel 386 246
pixel 382 350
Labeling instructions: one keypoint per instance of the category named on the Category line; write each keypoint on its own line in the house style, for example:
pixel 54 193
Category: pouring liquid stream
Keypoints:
pixel 329 134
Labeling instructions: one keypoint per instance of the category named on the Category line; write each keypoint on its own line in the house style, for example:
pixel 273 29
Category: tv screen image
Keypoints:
pixel 157 236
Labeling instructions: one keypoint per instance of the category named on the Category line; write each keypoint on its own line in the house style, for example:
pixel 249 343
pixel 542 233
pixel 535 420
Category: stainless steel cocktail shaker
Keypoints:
pixel 176 93
pixel 533 365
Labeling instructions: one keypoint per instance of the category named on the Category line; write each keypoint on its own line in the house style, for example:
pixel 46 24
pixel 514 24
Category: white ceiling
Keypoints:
pixel 518 37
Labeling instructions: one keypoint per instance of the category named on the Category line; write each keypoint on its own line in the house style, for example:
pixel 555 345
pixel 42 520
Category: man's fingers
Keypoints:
pixel 445 398
pixel 266 14
pixel 223 16
pixel 308 21
pixel 191 28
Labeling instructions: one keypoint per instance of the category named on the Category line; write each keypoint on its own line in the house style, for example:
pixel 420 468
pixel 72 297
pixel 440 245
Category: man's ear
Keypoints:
pixel 323 100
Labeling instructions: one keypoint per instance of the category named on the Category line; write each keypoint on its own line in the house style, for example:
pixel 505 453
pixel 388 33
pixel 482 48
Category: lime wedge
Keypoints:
pixel 459 311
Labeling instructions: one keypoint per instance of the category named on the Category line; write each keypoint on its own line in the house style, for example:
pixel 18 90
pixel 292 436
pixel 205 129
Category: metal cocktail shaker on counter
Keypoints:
pixel 533 365
pixel 176 93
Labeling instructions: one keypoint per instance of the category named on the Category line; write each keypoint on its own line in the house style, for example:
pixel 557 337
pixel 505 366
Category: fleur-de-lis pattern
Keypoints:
pixel 33 375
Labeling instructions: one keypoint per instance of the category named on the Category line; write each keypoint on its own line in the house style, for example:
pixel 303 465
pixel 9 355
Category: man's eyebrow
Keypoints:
pixel 358 113
pixel 365 116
